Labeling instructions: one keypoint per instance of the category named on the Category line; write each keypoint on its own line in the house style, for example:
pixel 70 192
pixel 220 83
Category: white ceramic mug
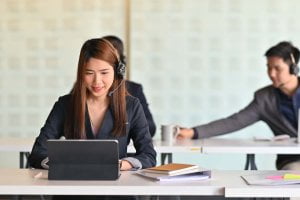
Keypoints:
pixel 169 133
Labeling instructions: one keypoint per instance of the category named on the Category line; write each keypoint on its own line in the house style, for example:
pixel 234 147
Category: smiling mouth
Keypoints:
pixel 97 89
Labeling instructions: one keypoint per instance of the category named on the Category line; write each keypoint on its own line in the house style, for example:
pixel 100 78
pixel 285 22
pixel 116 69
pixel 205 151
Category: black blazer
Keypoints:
pixel 136 90
pixel 136 129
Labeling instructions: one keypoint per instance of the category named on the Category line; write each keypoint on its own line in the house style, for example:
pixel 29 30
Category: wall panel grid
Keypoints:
pixel 202 60
pixel 198 60
pixel 39 44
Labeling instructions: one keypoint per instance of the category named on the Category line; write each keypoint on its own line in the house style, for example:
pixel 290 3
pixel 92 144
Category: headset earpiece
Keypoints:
pixel 119 74
pixel 294 69
pixel 120 70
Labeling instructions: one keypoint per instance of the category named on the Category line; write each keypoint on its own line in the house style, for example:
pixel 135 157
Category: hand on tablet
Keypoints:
pixel 125 165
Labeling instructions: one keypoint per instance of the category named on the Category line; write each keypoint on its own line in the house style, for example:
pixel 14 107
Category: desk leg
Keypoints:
pixel 250 162
pixel 164 156
pixel 24 163
pixel 27 161
pixel 170 158
pixel 21 160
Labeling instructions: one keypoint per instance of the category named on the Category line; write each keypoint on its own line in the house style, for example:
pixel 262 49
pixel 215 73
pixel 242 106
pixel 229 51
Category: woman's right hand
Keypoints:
pixel 185 133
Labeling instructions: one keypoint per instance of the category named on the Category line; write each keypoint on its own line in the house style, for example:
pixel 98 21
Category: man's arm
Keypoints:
pixel 237 121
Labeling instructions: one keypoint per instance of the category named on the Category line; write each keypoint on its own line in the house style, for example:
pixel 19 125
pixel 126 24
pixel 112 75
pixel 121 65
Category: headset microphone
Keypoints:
pixel 294 69
pixel 111 92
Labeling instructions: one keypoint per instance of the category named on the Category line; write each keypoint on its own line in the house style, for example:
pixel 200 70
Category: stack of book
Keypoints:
pixel 175 171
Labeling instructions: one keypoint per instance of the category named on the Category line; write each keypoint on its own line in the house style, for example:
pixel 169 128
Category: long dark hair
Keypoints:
pixel 75 121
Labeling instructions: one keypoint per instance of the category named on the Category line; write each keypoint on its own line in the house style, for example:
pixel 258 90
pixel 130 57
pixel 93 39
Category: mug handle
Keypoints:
pixel 176 131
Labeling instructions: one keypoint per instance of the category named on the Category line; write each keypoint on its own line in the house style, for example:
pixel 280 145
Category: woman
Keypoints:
pixel 98 107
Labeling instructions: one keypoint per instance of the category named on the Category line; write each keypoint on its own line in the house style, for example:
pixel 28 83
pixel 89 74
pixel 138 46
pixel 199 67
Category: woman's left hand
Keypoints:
pixel 125 165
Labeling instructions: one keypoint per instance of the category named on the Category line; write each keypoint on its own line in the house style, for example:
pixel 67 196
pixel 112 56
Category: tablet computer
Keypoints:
pixel 83 159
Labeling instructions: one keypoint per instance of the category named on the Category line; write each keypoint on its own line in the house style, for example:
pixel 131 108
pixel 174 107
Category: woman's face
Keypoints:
pixel 98 77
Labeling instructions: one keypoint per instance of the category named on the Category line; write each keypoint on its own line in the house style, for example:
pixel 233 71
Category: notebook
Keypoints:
pixel 173 169
pixel 191 174
pixel 83 159
pixel 272 178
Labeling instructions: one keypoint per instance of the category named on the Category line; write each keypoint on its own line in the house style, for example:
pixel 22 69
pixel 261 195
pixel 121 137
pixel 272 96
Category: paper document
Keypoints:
pixel 189 177
pixel 275 138
pixel 274 178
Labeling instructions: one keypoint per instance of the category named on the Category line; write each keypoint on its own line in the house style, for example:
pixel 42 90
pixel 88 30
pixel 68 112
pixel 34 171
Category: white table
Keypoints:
pixel 210 145
pixel 250 148
pixel 222 183
pixel 21 145
pixel 236 187
pixel 24 146
pixel 16 144
pixel 185 146
pixel 233 146
pixel 22 182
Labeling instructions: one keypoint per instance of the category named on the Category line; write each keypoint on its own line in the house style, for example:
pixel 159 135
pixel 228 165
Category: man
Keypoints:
pixel 276 104
pixel 133 88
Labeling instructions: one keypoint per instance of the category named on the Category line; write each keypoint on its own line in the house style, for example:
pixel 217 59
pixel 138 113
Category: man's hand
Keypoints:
pixel 185 133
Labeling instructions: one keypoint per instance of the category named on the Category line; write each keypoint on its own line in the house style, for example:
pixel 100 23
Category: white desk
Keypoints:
pixel 238 188
pixel 210 145
pixel 21 145
pixel 185 146
pixel 233 146
pixel 250 147
pixel 22 182
pixel 16 144
pixel 223 183
pixel 24 146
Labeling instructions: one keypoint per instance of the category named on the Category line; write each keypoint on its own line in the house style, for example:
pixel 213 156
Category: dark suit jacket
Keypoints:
pixel 136 90
pixel 263 107
pixel 137 130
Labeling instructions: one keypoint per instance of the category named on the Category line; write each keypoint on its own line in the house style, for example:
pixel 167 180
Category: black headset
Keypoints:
pixel 294 69
pixel 120 69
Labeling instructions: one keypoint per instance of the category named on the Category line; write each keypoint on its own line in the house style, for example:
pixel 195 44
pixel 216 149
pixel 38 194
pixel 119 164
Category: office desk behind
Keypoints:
pixel 229 146
pixel 24 146
pixel 210 145
pixel 16 144
pixel 166 149
pixel 21 145
pixel 250 148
